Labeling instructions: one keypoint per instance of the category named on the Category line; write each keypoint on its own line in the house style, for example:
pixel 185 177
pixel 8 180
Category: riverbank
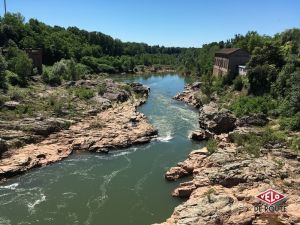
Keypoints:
pixel 228 174
pixel 113 123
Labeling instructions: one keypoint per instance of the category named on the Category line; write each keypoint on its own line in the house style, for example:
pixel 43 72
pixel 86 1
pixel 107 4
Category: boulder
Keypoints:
pixel 103 102
pixel 175 173
pixel 216 121
pixel 253 120
pixel 200 135
pixel 11 105
pixel 140 89
pixel 116 95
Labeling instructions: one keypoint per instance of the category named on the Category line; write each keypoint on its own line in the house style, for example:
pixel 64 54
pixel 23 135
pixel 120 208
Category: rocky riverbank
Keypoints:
pixel 34 142
pixel 225 178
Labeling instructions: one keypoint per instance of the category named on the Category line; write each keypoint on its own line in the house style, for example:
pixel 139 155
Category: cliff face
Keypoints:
pixel 225 180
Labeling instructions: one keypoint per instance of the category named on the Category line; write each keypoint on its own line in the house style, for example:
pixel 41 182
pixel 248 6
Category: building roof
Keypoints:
pixel 227 51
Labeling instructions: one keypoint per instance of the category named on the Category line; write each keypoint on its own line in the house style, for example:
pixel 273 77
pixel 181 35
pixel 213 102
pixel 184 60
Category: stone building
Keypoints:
pixel 36 55
pixel 228 60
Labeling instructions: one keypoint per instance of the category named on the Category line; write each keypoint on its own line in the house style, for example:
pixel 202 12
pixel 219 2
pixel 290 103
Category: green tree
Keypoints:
pixel 3 67
pixel 261 78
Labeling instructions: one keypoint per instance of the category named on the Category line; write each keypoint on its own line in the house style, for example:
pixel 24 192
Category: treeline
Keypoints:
pixel 77 50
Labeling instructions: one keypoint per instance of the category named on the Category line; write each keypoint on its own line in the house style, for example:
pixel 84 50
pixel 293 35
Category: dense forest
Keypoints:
pixel 272 83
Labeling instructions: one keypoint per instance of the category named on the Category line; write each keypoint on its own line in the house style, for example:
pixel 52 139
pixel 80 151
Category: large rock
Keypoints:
pixel 116 95
pixel 253 120
pixel 176 172
pixel 140 89
pixel 11 105
pixel 200 135
pixel 43 127
pixel 215 120
pixel 191 95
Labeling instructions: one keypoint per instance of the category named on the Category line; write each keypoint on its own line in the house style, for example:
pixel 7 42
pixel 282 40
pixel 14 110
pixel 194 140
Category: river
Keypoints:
pixel 125 187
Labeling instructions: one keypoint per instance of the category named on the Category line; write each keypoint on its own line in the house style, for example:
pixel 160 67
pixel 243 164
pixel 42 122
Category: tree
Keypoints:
pixel 261 78
pixel 3 67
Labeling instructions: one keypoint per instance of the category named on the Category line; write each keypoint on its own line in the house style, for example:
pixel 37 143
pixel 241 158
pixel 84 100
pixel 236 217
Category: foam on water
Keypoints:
pixel 10 187
pixel 32 205
pixel 166 138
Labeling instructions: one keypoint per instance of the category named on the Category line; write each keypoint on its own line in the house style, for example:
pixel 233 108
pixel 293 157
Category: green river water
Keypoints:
pixel 125 187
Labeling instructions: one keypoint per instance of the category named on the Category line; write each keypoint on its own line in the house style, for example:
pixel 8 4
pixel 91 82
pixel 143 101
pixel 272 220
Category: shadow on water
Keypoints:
pixel 123 187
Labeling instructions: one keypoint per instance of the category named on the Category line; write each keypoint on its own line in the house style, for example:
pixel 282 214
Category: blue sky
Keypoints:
pixel 183 23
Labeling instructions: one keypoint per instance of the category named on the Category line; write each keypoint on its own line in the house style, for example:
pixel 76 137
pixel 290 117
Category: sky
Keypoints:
pixel 181 23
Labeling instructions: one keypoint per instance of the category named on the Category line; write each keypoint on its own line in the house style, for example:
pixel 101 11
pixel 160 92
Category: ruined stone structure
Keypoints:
pixel 36 55
pixel 227 61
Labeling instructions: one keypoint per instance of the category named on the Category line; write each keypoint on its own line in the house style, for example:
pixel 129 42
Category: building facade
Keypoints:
pixel 36 55
pixel 228 60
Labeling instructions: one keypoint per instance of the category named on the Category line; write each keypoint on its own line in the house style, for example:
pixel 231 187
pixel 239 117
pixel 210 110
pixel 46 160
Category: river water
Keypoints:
pixel 125 187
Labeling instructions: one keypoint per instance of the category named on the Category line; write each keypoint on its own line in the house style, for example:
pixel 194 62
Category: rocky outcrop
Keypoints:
pixel 215 120
pixel 191 95
pixel 224 184
pixel 140 89
pixel 11 105
pixel 114 128
pixel 253 120
pixel 200 135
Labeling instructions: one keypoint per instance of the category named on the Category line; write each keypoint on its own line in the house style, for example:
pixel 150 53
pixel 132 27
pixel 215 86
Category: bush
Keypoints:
pixel 3 66
pixel 296 145
pixel 251 143
pixel 246 105
pixel 238 83
pixel 261 78
pixel 84 93
pixel 127 88
pixel 102 88
pixel 211 146
pixel 21 64
pixel 12 78
pixel 291 123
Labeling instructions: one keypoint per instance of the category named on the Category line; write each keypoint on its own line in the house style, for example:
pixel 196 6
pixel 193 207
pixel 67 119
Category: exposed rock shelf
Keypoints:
pixel 116 127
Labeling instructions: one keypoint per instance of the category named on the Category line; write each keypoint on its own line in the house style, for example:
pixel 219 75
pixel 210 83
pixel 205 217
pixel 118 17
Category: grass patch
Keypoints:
pixel 212 146
pixel 251 143
pixel 102 88
pixel 290 123
pixel 97 124
pixel 83 93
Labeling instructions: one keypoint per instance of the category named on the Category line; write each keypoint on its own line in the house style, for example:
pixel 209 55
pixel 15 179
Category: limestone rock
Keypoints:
pixel 176 172
pixel 191 95
pixel 216 121
pixel 11 105
pixel 200 135
pixel 253 120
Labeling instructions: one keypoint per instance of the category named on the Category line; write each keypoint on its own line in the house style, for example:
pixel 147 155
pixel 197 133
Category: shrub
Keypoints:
pixel 261 78
pixel 16 94
pixel 60 69
pixel 12 78
pixel 21 64
pixel 238 83
pixel 127 88
pixel 102 88
pixel 253 142
pixel 211 146
pixel 296 145
pixel 291 123
pixel 246 105
pixel 84 93
pixel 3 66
